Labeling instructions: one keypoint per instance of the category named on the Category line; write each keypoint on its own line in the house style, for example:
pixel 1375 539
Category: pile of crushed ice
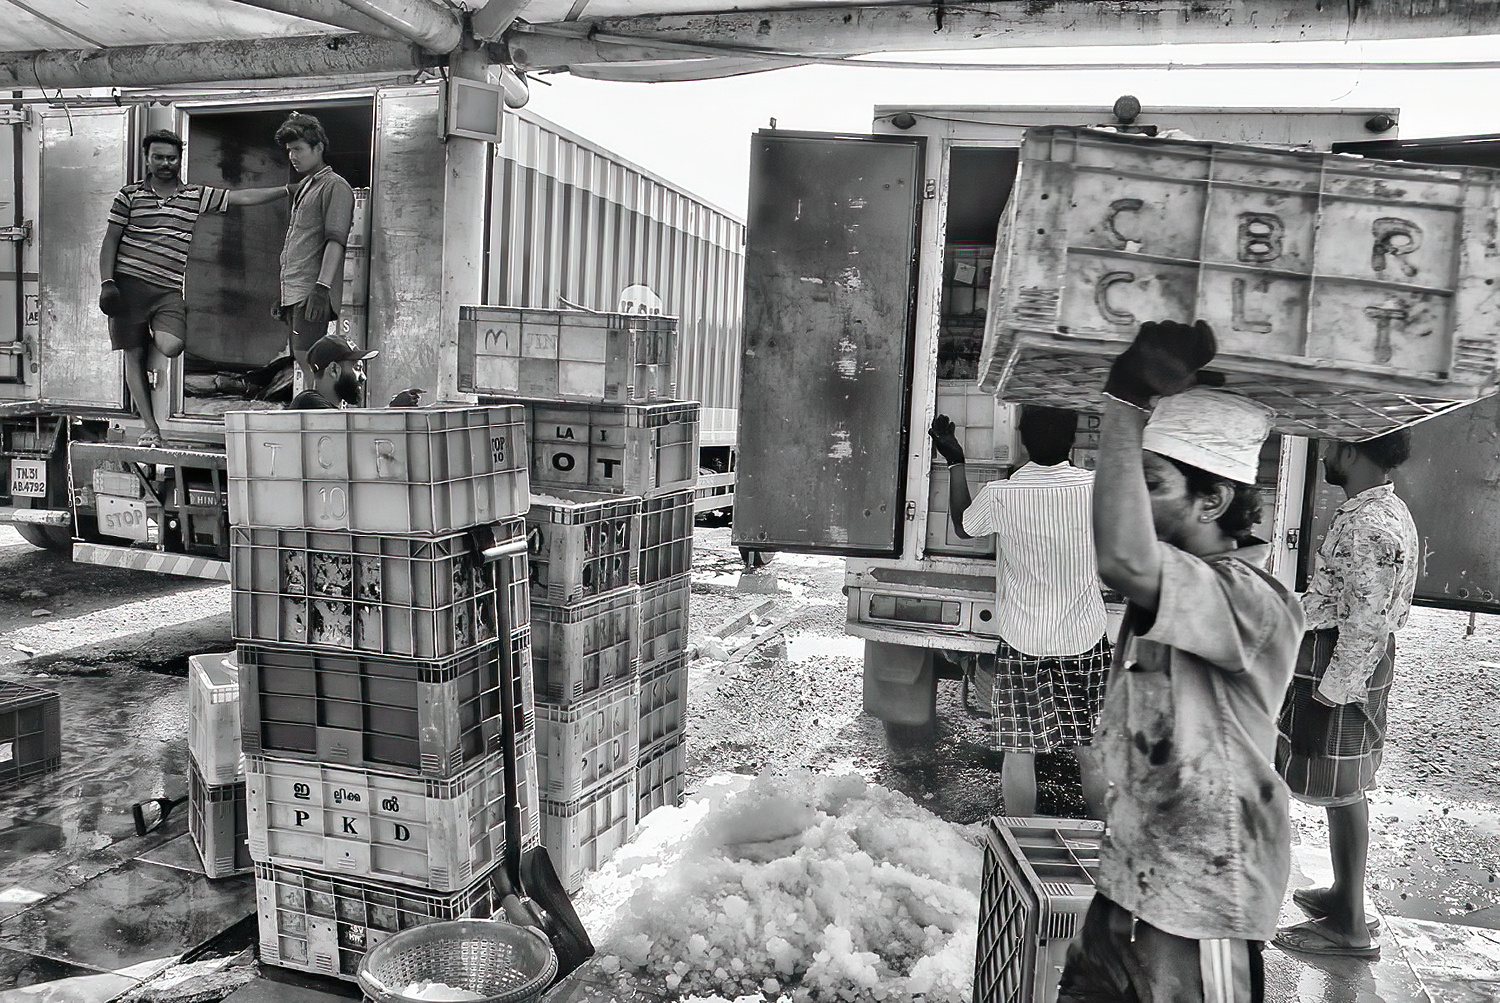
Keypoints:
pixel 796 888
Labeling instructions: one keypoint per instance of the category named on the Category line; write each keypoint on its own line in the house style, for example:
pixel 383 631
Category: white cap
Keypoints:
pixel 1212 430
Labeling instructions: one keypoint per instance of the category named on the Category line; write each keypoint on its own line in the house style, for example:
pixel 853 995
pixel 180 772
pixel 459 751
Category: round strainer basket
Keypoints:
pixel 501 962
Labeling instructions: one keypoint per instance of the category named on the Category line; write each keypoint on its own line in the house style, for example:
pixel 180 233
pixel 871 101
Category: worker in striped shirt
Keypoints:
pixel 1053 658
pixel 143 261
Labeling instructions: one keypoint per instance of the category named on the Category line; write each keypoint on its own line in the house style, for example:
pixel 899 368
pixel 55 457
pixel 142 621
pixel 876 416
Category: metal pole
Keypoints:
pixel 436 29
pixel 329 12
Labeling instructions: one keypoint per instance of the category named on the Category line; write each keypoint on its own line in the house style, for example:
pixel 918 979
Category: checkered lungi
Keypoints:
pixel 1328 755
pixel 1042 703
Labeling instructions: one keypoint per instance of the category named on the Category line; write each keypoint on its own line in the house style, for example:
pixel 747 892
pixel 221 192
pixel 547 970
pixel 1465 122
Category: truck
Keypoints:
pixel 867 272
pixel 528 215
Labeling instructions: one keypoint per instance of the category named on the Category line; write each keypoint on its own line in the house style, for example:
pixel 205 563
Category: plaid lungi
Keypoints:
pixel 1328 755
pixel 1042 703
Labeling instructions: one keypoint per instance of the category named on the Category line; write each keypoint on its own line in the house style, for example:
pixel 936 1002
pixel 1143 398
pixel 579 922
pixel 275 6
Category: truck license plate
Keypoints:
pixel 28 478
pixel 123 517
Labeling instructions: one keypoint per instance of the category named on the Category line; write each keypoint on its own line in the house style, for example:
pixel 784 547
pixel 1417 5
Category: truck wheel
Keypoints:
pixel 910 737
pixel 55 538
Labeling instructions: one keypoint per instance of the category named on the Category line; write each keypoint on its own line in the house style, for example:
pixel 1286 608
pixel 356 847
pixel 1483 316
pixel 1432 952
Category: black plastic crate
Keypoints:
pixel 30 731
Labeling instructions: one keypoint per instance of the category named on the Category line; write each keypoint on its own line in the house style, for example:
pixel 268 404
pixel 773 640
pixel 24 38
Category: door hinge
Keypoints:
pixel 929 190
pixel 911 511
pixel 1293 538
pixel 16 116
pixel 19 233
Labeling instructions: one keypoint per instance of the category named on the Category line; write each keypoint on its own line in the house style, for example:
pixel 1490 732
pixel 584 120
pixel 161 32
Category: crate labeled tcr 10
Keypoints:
pixel 432 718
pixel 664 692
pixel 1037 885
pixel 218 825
pixel 379 594
pixel 664 621
pixel 607 358
pixel 585 647
pixel 666 537
pixel 582 545
pixel 619 449
pixel 587 743
pixel 583 833
pixel 659 776
pixel 325 923
pixel 30 731
pixel 214 717
pixel 386 471
pixel 435 834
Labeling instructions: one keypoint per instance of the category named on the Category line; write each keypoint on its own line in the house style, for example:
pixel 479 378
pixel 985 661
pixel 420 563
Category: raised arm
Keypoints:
pixel 256 196
pixel 1124 532
pixel 945 443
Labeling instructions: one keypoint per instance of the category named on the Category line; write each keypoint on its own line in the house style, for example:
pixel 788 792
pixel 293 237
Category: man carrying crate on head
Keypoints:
pixel 1198 851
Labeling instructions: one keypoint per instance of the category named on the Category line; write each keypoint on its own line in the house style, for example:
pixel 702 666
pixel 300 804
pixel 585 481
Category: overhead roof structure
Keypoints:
pixel 134 43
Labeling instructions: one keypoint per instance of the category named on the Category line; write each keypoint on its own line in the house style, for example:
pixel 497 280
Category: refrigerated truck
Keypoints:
pixel 838 390
pixel 542 217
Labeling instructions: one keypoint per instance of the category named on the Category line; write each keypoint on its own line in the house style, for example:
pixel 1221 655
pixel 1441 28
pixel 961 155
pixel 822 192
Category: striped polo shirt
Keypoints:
pixel 158 231
pixel 1047 576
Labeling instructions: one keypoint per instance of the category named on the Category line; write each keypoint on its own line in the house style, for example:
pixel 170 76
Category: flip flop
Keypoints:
pixel 151 440
pixel 1316 939
pixel 1303 900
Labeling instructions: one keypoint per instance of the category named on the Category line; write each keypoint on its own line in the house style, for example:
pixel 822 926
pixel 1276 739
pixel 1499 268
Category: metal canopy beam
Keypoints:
pixel 201 62
pixel 434 28
pixel 853 30
pixel 329 12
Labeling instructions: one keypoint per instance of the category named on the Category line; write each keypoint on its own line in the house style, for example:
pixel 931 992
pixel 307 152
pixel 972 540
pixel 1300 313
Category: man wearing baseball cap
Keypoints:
pixel 1196 859
pixel 337 379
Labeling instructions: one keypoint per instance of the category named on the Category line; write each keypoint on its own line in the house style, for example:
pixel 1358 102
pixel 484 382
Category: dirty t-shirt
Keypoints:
pixel 1199 843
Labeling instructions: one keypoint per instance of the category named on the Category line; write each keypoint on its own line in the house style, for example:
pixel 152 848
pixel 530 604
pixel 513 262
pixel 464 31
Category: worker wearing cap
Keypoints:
pixel 1195 862
pixel 337 379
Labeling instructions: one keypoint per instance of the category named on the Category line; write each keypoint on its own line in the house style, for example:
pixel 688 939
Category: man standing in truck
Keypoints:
pixel 143 261
pixel 1195 862
pixel 1053 656
pixel 312 257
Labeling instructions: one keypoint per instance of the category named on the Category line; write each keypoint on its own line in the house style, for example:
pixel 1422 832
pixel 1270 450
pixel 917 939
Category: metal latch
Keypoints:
pixel 15 116
pixel 911 511
pixel 1293 538
pixel 21 232
pixel 929 191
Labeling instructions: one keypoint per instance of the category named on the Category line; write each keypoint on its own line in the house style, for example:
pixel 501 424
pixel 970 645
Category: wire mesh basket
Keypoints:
pixel 488 960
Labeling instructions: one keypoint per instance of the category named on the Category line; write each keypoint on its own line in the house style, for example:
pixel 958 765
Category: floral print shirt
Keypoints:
pixel 1365 576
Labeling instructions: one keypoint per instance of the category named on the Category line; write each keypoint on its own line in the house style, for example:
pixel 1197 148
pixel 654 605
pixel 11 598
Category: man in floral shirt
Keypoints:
pixel 1332 725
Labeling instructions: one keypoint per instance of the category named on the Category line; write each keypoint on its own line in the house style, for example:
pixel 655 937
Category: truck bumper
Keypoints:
pixel 37 516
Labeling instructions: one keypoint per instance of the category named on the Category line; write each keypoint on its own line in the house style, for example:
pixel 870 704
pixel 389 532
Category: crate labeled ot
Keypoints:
pixel 435 834
pixel 587 743
pixel 385 471
pixel 385 595
pixel 30 731
pixel 659 776
pixel 214 717
pixel 1037 884
pixel 324 923
pixel 583 833
pixel 431 718
pixel 218 825
pixel 582 648
pixel 664 691
pixel 1353 296
pixel 582 544
pixel 602 358
pixel 620 449
pixel 663 631
pixel 666 537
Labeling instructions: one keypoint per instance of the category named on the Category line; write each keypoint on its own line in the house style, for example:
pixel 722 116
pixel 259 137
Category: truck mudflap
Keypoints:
pixel 36 516
pixel 899 683
pixel 155 561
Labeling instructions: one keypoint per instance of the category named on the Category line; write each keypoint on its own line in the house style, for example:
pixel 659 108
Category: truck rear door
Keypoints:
pixel 830 276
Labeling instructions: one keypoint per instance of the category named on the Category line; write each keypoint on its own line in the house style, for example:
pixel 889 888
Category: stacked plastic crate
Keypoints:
pixel 383 659
pixel 217 819
pixel 614 460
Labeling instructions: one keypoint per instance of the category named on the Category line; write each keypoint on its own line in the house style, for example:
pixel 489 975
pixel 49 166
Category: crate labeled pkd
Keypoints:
pixel 620 449
pixel 663 632
pixel 214 717
pixel 582 545
pixel 384 471
pixel 603 358
pixel 584 647
pixel 1322 275
pixel 30 731
pixel 1037 884
pixel 660 776
pixel 664 693
pixel 583 833
pixel 379 594
pixel 218 825
pixel 583 745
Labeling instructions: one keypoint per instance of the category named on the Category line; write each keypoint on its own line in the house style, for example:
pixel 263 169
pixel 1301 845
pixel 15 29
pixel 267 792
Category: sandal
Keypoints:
pixel 151 440
pixel 1303 897
pixel 1316 939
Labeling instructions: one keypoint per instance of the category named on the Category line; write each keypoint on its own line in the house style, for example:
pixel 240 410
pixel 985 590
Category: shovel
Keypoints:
pixel 545 905
pixel 152 814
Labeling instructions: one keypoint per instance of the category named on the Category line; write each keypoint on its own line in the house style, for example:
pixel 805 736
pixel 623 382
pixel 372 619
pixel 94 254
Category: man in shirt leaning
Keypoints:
pixel 143 262
pixel 1052 657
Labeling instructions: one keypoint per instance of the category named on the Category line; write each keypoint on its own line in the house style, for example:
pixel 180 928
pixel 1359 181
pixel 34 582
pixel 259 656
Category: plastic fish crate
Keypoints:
pixel 659 776
pixel 435 834
pixel 583 833
pixel 386 471
pixel 214 717
pixel 1354 296
pixel 663 631
pixel 666 538
pixel 605 358
pixel 620 449
pixel 585 647
pixel 582 545
pixel 30 731
pixel 1037 884
pixel 664 692
pixel 218 826
pixel 325 923
pixel 432 718
pixel 585 744
pixel 384 595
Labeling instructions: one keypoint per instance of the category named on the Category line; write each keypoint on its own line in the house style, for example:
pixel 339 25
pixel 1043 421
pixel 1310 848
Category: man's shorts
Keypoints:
pixel 302 332
pixel 146 308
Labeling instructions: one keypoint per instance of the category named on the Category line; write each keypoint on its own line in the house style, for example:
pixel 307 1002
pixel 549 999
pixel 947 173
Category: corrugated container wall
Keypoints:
pixel 571 222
